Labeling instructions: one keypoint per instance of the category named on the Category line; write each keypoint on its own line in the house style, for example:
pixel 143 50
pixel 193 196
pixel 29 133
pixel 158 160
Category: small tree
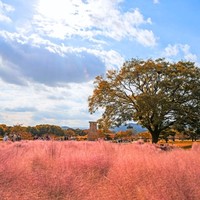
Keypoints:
pixel 70 132
pixel 156 94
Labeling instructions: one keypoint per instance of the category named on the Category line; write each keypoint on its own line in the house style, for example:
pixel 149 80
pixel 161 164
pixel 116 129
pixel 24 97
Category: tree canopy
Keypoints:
pixel 155 93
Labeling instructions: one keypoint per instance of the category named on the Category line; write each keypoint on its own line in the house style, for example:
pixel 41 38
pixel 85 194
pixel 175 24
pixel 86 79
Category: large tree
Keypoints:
pixel 155 93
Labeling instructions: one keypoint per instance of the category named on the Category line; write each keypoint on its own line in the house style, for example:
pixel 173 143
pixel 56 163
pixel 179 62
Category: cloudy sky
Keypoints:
pixel 51 51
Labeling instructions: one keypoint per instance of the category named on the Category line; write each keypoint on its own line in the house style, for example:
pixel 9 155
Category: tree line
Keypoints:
pixel 29 132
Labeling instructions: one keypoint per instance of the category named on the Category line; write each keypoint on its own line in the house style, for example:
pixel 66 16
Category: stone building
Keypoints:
pixel 92 133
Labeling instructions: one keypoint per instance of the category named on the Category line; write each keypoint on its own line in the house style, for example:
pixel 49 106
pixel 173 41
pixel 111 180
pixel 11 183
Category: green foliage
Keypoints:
pixel 1 131
pixel 154 93
pixel 48 129
pixel 33 130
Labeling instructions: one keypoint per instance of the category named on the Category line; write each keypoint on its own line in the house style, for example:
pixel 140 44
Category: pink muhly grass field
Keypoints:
pixel 54 170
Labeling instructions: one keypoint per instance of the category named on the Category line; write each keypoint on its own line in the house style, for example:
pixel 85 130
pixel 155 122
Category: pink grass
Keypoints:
pixel 52 170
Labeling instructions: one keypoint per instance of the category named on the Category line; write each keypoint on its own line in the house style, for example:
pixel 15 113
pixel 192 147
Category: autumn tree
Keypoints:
pixel 17 129
pixel 44 129
pixel 20 131
pixel 70 132
pixel 33 130
pixel 3 129
pixel 155 93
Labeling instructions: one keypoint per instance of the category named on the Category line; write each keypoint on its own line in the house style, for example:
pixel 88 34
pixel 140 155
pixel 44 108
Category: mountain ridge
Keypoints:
pixel 136 127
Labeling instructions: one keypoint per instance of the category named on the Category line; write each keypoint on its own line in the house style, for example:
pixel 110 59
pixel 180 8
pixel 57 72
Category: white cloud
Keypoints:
pixel 111 58
pixel 37 104
pixel 191 57
pixel 4 10
pixel 9 72
pixel 146 37
pixel 171 50
pixel 64 19
pixel 64 64
pixel 180 51
pixel 187 54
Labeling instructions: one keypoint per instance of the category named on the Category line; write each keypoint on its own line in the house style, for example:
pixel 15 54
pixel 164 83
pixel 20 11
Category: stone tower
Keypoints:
pixel 93 133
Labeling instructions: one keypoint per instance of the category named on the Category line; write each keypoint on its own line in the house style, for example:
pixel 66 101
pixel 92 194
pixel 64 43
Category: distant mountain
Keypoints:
pixel 138 128
pixel 65 127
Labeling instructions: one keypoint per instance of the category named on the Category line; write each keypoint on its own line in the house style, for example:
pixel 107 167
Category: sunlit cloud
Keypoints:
pixel 90 20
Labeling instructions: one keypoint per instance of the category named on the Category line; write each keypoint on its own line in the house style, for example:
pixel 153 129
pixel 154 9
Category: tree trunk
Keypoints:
pixel 155 136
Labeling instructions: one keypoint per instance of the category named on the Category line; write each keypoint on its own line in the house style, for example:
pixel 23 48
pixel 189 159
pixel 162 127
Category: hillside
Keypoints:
pixel 138 128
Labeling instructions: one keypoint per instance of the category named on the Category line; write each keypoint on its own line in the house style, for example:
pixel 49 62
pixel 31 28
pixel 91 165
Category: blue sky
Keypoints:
pixel 51 51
